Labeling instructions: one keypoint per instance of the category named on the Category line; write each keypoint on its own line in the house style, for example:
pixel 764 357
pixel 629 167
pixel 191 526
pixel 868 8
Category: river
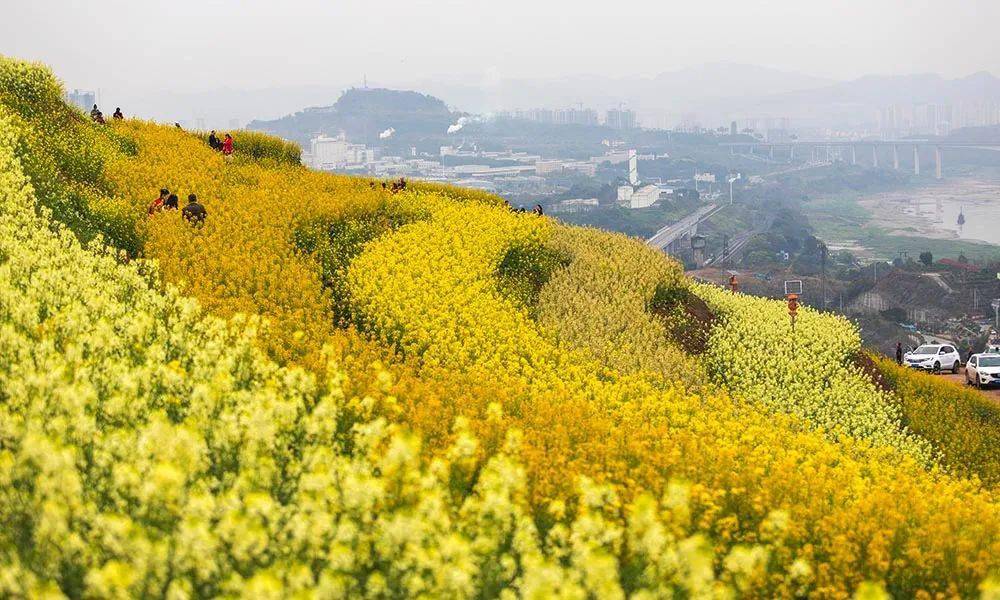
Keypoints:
pixel 933 210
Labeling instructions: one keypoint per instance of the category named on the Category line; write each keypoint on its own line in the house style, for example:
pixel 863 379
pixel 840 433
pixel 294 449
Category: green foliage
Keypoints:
pixel 526 267
pixel 334 242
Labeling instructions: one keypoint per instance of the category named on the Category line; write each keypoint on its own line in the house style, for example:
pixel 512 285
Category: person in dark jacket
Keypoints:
pixel 118 116
pixel 171 203
pixel 194 213
pixel 538 210
pixel 213 141
pixel 899 353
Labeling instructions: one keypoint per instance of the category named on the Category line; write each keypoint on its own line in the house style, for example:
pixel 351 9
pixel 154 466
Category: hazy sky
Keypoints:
pixel 191 45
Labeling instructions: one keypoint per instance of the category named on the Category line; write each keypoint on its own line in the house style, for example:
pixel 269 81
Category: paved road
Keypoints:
pixel 993 393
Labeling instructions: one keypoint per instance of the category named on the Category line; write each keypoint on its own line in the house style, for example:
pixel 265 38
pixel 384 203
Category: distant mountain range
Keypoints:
pixel 711 94
pixel 861 97
pixel 684 88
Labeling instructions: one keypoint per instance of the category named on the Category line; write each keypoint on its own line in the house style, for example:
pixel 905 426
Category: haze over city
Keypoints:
pixel 302 52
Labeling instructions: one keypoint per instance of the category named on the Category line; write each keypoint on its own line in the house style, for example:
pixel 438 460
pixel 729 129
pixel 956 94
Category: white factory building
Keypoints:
pixel 330 153
pixel 635 195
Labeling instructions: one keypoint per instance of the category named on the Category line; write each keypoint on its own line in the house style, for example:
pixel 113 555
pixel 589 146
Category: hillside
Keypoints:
pixel 335 389
pixel 364 113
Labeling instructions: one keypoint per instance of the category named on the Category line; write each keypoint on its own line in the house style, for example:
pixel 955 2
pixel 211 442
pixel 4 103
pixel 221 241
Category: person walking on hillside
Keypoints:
pixel 157 205
pixel 213 141
pixel 194 213
pixel 227 146
pixel 118 116
pixel 899 353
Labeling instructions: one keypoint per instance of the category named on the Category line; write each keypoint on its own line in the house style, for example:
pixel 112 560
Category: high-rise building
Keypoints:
pixel 335 153
pixel 620 118
pixel 82 98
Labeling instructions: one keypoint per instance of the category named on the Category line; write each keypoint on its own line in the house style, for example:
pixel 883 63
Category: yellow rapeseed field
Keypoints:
pixel 335 390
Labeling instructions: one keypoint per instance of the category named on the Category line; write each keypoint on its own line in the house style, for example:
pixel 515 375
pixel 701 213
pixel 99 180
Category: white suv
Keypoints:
pixel 983 370
pixel 934 357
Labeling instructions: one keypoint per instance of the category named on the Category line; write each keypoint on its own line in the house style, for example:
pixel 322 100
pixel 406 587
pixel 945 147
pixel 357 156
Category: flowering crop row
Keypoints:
pixel 756 354
pixel 962 424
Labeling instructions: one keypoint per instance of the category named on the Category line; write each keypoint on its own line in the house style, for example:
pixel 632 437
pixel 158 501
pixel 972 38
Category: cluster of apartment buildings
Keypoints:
pixel 900 120
pixel 616 118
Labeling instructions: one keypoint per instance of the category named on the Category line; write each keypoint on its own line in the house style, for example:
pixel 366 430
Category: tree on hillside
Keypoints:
pixel 927 258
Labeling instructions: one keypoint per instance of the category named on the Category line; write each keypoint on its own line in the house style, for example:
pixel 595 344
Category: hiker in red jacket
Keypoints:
pixel 227 145
pixel 157 205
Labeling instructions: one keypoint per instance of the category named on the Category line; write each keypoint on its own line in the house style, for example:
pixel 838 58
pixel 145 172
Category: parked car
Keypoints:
pixel 983 370
pixel 934 357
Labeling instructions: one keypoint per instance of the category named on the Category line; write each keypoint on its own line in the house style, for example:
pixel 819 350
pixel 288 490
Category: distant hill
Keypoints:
pixel 364 113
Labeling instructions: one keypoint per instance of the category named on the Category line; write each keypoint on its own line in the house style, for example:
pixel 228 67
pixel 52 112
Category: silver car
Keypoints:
pixel 983 370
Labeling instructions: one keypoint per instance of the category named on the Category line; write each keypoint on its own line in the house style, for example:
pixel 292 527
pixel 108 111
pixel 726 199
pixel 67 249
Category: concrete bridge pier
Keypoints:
pixel 895 157
pixel 854 155
pixel 916 160
pixel 937 162
pixel 791 154
pixel 771 152
pixel 875 156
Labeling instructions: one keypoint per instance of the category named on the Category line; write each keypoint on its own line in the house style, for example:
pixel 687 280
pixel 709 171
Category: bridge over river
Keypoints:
pixel 814 147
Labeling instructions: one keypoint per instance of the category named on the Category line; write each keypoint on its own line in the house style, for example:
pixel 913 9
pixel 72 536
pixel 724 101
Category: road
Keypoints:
pixel 992 393
pixel 665 236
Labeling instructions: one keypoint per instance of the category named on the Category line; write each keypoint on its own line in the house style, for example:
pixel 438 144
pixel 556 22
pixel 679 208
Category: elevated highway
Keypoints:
pixel 814 148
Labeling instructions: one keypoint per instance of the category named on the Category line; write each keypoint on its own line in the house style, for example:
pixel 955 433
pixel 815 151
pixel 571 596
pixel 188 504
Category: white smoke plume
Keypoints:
pixel 386 134
pixel 462 122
